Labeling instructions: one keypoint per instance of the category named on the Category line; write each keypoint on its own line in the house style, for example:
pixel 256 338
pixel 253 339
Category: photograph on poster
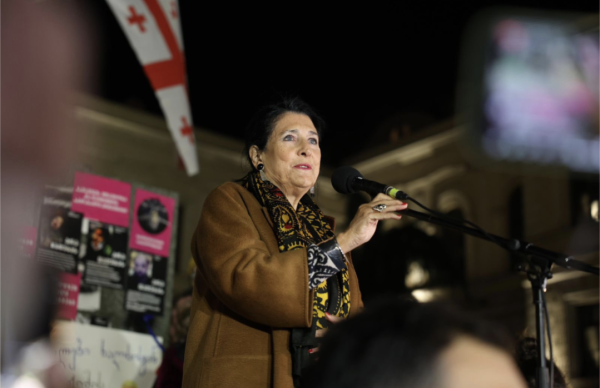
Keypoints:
pixel 153 216
pixel 146 282
pixel 140 268
pixel 106 255
pixel 152 223
pixel 59 232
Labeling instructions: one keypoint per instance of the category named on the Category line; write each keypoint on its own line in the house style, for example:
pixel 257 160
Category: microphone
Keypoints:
pixel 347 180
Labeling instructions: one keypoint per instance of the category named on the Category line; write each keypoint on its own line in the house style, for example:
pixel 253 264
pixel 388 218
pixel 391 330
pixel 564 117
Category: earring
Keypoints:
pixel 261 170
pixel 312 192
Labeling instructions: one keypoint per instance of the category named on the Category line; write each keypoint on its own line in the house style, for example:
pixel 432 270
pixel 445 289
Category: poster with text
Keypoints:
pixel 102 199
pixel 68 295
pixel 146 282
pixel 152 223
pixel 59 234
pixel 106 255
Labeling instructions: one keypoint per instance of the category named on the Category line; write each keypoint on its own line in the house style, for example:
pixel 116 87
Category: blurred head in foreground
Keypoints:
pixel 400 344
pixel 47 53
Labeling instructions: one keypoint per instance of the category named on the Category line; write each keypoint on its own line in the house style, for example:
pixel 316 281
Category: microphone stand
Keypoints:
pixel 536 263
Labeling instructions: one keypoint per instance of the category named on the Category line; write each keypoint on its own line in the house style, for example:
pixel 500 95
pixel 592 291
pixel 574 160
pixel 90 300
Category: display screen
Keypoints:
pixel 538 92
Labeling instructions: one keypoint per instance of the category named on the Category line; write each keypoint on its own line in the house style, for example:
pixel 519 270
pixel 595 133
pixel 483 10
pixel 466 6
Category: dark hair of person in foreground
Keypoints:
pixel 527 360
pixel 398 344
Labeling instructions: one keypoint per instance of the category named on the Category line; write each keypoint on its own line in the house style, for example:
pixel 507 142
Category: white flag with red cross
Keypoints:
pixel 154 30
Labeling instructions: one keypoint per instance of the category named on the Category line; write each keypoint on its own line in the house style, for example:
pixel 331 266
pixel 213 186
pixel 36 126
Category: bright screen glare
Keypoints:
pixel 541 95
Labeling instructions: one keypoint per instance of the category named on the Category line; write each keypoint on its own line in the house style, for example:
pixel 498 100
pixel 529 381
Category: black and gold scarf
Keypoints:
pixel 296 229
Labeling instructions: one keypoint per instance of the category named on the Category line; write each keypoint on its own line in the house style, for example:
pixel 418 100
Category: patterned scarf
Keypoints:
pixel 296 229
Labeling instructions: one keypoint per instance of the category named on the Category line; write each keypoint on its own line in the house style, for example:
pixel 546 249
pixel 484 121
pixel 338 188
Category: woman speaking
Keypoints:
pixel 272 273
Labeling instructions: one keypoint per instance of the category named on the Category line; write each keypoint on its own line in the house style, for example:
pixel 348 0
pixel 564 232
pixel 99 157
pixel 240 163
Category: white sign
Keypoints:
pixel 100 357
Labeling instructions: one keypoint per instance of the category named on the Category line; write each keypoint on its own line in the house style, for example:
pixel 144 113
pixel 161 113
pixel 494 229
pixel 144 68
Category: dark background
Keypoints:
pixel 357 64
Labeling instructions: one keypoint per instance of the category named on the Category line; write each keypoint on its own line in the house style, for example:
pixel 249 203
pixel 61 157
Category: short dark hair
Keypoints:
pixel 395 344
pixel 263 122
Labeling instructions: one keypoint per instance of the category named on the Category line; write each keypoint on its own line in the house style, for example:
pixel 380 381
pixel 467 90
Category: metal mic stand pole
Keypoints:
pixel 537 266
pixel 538 273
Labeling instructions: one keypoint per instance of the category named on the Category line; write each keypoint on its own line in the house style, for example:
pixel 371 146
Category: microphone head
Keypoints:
pixel 342 179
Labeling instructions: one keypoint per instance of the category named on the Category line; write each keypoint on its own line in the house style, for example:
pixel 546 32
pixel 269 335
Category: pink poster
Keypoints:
pixel 152 223
pixel 102 199
pixel 68 293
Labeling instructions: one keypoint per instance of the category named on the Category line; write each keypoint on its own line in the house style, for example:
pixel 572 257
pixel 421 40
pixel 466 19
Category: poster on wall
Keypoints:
pixel 100 357
pixel 150 248
pixel 105 254
pixel 102 199
pixel 152 223
pixel 105 204
pixel 146 282
pixel 59 234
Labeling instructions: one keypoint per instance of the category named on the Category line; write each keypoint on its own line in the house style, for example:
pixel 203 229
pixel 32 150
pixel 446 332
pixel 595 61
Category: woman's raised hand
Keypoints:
pixel 363 226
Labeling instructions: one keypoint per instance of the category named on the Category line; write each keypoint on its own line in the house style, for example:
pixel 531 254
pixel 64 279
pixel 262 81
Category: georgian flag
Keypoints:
pixel 154 31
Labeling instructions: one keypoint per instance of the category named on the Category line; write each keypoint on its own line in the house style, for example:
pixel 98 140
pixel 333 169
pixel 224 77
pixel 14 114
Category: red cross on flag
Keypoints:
pixel 154 31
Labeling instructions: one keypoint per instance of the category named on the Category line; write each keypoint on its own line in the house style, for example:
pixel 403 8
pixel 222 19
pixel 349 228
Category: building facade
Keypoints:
pixel 555 211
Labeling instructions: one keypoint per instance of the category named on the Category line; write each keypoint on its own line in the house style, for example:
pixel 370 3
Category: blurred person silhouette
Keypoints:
pixel 407 344
pixel 46 50
pixel 170 372
pixel 527 360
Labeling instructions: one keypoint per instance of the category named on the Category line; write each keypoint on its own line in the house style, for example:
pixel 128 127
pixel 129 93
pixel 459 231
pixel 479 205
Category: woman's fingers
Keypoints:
pixel 321 332
pixel 333 318
pixel 389 209
pixel 390 205
pixel 385 216
pixel 363 225
pixel 380 197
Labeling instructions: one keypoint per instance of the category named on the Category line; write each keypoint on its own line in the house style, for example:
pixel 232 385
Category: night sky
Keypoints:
pixel 356 64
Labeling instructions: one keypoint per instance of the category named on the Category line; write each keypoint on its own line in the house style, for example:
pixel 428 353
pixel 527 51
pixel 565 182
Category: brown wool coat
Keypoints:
pixel 247 297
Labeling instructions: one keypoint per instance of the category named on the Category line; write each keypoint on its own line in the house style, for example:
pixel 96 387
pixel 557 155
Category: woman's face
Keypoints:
pixel 292 157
